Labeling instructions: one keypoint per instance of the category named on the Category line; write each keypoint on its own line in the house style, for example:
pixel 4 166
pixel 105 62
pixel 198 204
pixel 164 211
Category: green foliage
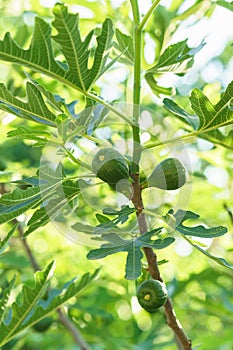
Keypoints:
pixel 218 260
pixel 132 247
pixel 125 46
pixel 198 231
pixel 4 242
pixel 76 51
pixel 65 56
pixel 209 118
pixel 40 57
pixel 212 116
pixel 177 58
pixel 35 109
pixel 227 5
pixel 33 308
pixel 17 202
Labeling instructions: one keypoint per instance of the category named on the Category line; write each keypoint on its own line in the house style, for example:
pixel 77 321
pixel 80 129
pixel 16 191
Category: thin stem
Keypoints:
pixel 165 142
pixel 135 10
pixel 148 14
pixel 110 107
pixel 73 330
pixel 75 160
pixel 136 87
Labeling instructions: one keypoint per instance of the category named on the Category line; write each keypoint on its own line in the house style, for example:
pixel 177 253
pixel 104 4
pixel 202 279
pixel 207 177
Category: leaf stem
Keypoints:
pixel 110 107
pixel 135 10
pixel 75 160
pixel 165 142
pixel 148 14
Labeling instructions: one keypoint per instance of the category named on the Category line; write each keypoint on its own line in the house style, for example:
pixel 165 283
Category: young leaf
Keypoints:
pixel 198 231
pixel 227 5
pixel 125 46
pixel 55 101
pixel 40 56
pixel 52 185
pixel 217 137
pixel 32 181
pixel 213 116
pixel 122 215
pixel 132 247
pixel 133 262
pixel 208 118
pixel 218 260
pixel 177 58
pixel 190 119
pixel 77 51
pixel 98 230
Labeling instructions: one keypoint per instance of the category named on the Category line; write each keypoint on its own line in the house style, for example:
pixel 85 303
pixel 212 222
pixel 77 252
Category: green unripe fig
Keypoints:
pixel 111 167
pixel 43 324
pixel 152 294
pixel 170 174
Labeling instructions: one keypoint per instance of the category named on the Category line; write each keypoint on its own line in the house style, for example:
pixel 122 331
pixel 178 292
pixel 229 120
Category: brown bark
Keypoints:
pixel 172 320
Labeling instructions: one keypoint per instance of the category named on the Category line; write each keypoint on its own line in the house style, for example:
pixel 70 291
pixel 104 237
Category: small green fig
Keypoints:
pixel 152 294
pixel 170 174
pixel 111 167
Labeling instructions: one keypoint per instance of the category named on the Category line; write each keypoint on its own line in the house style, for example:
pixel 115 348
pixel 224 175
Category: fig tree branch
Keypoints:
pixel 172 320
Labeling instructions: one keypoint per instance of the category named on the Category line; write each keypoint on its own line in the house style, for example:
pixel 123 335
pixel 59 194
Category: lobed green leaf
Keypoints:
pixel 75 72
pixel 197 231
pixel 125 46
pixel 29 299
pixel 177 58
pixel 208 118
pixel 35 109
pixel 33 308
pixel 17 202
pixel 132 247
pixel 213 116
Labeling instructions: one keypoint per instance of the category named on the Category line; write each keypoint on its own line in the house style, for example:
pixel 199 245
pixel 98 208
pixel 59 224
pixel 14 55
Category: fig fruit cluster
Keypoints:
pixel 112 167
